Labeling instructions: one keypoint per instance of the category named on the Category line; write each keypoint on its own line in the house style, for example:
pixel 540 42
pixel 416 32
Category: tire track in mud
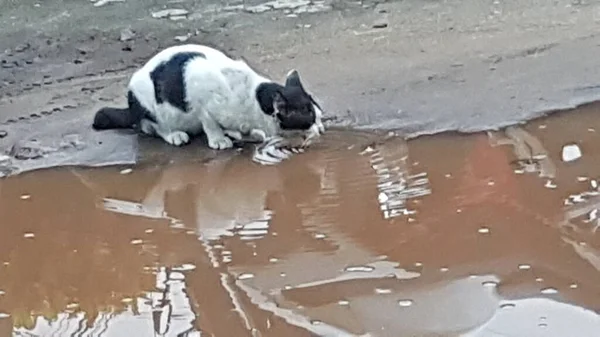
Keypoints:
pixel 54 124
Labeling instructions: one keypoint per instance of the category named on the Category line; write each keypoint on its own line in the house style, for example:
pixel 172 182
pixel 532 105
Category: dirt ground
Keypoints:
pixel 417 66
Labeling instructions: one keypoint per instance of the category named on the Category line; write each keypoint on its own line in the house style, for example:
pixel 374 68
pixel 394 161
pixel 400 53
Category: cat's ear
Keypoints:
pixel 293 79
pixel 279 102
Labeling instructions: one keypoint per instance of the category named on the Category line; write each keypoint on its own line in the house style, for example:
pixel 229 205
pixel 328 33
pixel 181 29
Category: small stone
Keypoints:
pixel 127 35
pixel 169 12
pixel 181 38
pixel 101 3
pixel 126 171
pixel 3 133
pixel 22 47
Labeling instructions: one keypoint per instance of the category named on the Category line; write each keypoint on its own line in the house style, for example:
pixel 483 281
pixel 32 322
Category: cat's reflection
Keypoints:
pixel 216 197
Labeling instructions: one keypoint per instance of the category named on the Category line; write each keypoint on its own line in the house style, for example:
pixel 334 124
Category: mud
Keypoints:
pixel 489 234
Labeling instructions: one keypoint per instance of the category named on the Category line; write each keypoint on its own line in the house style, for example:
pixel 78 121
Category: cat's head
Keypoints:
pixel 296 110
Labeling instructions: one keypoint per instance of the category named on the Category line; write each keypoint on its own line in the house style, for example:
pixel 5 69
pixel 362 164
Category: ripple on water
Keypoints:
pixel 405 303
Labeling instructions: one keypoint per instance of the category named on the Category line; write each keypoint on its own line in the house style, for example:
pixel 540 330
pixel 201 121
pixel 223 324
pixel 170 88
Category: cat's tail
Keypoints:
pixel 114 118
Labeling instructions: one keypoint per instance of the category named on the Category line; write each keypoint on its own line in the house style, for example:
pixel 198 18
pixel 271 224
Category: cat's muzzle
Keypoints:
pixel 312 134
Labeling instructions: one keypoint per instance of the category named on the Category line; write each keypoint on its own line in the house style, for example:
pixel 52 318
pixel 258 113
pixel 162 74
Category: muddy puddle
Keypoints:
pixel 452 235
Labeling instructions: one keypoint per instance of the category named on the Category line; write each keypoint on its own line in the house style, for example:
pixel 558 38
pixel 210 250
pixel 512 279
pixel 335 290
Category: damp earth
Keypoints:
pixel 363 234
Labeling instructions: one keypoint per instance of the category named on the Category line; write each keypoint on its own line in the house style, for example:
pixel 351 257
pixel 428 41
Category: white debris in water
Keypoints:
pixel 369 149
pixel 185 267
pixel 571 152
pixel 543 126
pixel 594 184
pixel 524 266
pixel 29 235
pixel 539 279
pixel 282 274
pixel 418 264
pixel 136 241
pixel 580 179
pixel 149 231
pixel 245 276
pixel 383 197
pixel 25 197
pixel 483 230
pixel 405 303
pixel 550 184
pixel 444 269
pixel 382 291
pixel 169 12
pixel 273 259
pixel 2 292
pixel 573 286
pixel 72 306
pixel 363 269
pixel 491 183
pixel 126 171
pixel 4 315
pixel 591 130
pixel 343 302
pixel 320 236
pixel 549 291
pixel 593 215
pixel 127 300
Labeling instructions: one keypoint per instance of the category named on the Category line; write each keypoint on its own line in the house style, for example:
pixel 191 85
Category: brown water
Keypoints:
pixel 451 235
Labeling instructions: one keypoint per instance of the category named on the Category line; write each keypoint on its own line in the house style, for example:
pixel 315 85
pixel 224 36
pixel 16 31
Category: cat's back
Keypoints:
pixel 167 54
pixel 141 82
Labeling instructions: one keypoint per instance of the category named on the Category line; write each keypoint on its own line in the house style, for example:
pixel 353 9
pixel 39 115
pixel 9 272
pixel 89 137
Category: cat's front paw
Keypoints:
pixel 177 138
pixel 220 143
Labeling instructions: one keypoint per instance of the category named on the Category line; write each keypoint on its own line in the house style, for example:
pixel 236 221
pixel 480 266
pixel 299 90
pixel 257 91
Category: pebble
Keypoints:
pixel 101 3
pixel 181 38
pixel 3 133
pixel 169 12
pixel 127 35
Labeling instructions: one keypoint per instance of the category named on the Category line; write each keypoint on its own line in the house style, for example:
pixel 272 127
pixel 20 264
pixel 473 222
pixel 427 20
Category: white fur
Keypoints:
pixel 221 94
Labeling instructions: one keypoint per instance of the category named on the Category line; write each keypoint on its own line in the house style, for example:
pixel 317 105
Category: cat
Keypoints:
pixel 188 89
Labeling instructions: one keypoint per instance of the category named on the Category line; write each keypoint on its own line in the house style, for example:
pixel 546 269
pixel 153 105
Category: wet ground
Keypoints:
pixel 488 234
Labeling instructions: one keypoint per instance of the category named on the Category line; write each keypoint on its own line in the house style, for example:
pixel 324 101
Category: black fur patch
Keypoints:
pixel 168 80
pixel 297 112
pixel 112 118
pixel 137 110
pixel 264 95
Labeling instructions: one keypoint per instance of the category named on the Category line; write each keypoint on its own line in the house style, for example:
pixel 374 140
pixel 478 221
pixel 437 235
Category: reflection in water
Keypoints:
pixel 359 236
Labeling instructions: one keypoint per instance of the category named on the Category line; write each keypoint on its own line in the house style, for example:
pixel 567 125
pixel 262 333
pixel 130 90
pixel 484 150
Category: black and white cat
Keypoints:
pixel 184 90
